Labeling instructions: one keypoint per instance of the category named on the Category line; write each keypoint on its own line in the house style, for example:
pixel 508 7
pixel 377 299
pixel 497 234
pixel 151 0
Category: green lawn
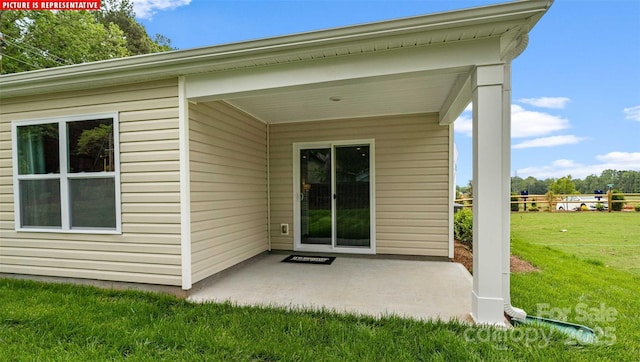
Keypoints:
pixel 589 275
pixel 42 322
pixel 612 239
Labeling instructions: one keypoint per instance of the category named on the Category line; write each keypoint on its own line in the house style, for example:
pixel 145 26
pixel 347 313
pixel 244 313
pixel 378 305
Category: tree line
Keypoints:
pixel 45 39
pixel 622 181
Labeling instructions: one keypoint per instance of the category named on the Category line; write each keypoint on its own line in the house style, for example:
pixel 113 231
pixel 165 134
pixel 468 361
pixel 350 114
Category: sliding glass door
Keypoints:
pixel 315 196
pixel 333 187
pixel 352 196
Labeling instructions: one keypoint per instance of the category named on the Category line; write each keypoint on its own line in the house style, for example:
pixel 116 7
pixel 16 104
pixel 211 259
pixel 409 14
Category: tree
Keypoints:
pixel 93 141
pixel 470 189
pixel 592 183
pixel 46 39
pixel 539 187
pixel 531 184
pixel 517 184
pixel 609 177
pixel 120 13
pixel 563 185
pixel 626 181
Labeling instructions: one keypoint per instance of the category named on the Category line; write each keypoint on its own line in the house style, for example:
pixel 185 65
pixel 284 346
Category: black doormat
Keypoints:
pixel 324 260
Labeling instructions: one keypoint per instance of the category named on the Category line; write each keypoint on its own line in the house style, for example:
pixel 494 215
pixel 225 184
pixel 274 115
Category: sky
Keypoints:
pixel 575 89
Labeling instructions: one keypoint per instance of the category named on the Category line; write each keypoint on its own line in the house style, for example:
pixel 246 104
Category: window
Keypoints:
pixel 66 174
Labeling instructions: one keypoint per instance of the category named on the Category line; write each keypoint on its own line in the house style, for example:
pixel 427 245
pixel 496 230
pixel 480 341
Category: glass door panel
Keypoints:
pixel 352 196
pixel 315 197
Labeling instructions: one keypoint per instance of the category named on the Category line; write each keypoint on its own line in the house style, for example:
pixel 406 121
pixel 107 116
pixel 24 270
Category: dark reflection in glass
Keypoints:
pixel 91 146
pixel 92 202
pixel 352 201
pixel 40 203
pixel 38 149
pixel 315 196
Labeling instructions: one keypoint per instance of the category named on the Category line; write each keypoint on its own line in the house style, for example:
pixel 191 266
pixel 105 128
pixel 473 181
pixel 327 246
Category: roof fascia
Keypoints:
pixel 184 62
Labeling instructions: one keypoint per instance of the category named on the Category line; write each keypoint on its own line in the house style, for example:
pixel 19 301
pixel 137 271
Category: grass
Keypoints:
pixel 611 239
pixel 589 275
pixel 74 323
pixel 62 322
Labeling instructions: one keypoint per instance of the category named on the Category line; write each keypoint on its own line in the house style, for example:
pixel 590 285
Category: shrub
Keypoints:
pixel 534 209
pixel 463 227
pixel 551 198
pixel 637 208
pixel 616 206
pixel 599 207
pixel 515 206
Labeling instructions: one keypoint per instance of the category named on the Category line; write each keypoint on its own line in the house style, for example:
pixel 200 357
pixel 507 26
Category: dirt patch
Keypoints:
pixel 462 255
pixel 521 266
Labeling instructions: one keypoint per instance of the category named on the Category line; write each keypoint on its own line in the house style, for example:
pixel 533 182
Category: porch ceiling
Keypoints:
pixel 376 96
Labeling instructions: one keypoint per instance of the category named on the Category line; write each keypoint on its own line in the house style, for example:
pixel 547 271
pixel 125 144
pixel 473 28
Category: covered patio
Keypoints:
pixel 375 287
pixel 394 88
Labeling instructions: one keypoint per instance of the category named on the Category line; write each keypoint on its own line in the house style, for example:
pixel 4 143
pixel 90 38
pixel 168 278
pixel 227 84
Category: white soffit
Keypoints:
pixel 422 93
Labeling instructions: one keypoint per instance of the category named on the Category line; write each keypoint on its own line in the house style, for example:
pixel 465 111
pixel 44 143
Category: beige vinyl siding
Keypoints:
pixel 148 250
pixel 228 187
pixel 411 171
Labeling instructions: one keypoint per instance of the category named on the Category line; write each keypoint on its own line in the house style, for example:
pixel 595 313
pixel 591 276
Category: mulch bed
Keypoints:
pixel 462 255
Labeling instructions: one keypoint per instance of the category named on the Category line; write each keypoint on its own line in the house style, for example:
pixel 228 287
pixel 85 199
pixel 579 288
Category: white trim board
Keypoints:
pixel 185 185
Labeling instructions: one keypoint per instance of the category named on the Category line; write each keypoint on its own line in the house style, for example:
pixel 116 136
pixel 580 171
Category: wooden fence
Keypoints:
pixel 568 202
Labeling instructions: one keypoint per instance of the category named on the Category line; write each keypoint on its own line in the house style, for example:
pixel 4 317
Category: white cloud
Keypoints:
pixel 563 163
pixel 551 141
pixel 632 113
pixel 145 9
pixel 631 160
pixel 526 123
pixel 561 168
pixel 546 102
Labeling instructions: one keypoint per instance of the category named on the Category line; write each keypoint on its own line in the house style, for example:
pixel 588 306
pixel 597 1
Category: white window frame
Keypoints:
pixel 64 176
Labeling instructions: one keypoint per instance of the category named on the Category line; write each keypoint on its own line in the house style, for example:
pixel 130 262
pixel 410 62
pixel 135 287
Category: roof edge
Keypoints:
pixel 180 62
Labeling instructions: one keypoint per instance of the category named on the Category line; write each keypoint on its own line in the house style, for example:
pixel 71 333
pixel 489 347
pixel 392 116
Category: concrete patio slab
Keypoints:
pixel 370 286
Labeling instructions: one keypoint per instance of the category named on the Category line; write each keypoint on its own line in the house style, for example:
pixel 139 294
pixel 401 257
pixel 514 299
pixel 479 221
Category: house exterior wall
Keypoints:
pixel 148 249
pixel 228 172
pixel 412 173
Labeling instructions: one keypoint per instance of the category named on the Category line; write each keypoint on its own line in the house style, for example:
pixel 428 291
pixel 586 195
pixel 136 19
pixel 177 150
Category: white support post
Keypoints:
pixel 488 204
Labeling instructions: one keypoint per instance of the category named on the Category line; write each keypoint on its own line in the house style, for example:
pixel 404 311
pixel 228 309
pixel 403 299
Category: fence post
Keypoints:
pixel 609 198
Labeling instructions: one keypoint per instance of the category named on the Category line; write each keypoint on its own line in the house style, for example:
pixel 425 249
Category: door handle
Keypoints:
pixel 335 196
pixel 301 196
